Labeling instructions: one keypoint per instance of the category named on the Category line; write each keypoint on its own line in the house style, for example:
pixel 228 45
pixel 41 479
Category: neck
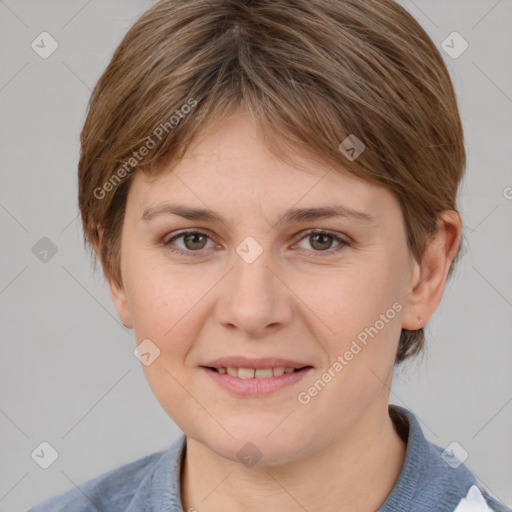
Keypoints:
pixel 369 457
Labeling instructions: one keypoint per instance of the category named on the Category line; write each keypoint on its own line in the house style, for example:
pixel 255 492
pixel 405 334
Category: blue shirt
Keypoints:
pixel 428 482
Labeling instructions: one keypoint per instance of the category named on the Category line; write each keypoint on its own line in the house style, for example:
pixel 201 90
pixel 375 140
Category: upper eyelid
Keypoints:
pixel 303 234
pixel 179 234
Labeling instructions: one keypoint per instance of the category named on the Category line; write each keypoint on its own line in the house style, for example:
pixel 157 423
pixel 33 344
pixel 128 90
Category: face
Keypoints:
pixel 263 288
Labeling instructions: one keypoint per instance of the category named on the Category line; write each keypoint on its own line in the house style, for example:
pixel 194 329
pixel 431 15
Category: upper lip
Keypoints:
pixel 255 363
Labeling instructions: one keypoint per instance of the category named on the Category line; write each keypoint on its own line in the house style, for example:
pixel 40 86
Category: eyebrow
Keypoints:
pixel 290 216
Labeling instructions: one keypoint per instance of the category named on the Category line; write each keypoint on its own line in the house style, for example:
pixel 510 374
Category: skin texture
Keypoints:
pixel 339 451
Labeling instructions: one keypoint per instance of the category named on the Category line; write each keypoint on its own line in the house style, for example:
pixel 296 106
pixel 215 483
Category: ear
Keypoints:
pixel 117 293
pixel 429 276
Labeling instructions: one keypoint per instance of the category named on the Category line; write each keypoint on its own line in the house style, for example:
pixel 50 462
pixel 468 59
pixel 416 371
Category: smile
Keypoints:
pixel 251 382
pixel 251 373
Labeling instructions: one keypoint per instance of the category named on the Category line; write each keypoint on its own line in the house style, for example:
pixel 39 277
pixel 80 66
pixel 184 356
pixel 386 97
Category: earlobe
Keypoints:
pixel 429 276
pixel 118 295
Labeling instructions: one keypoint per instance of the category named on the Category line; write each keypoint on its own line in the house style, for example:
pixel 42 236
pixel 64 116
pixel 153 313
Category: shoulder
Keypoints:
pixel 453 478
pixel 479 500
pixel 433 478
pixel 113 490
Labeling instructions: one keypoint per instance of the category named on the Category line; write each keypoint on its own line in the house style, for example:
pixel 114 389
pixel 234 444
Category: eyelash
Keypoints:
pixel 329 252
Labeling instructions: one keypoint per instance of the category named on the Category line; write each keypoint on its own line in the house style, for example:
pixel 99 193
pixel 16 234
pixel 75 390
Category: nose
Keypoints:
pixel 254 298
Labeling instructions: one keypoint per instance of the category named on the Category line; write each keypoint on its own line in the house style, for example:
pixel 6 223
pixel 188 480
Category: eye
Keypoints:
pixel 193 241
pixel 322 241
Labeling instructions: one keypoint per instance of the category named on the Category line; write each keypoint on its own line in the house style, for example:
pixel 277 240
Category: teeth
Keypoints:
pixel 245 373
pixel 260 373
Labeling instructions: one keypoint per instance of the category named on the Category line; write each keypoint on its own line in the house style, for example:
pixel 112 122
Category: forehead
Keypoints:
pixel 229 167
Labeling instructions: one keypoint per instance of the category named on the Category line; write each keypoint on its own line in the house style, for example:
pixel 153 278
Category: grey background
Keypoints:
pixel 68 374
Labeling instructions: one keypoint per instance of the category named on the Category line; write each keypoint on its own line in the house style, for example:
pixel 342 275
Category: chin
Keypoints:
pixel 251 446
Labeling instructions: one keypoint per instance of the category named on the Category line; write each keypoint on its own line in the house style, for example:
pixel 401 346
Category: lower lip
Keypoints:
pixel 254 386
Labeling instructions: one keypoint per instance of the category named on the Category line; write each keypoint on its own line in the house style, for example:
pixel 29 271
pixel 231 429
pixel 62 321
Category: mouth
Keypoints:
pixel 255 373
pixel 255 377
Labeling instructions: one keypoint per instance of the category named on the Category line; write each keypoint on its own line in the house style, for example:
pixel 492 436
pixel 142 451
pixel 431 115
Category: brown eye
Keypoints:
pixel 193 241
pixel 322 241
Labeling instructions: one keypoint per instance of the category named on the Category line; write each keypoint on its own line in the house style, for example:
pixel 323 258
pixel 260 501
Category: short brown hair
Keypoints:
pixel 309 72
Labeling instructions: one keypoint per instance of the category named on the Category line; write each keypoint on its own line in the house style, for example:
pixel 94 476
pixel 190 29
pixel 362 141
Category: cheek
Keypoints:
pixel 165 309
pixel 360 327
pixel 352 299
pixel 362 313
pixel 161 297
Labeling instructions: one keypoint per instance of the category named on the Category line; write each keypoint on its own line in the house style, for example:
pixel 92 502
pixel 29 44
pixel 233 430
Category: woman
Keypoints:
pixel 271 190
